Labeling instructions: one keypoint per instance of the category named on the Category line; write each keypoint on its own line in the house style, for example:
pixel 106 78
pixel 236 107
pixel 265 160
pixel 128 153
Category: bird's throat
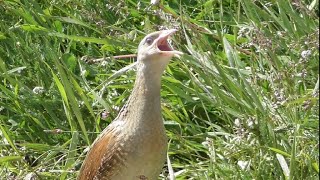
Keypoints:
pixel 148 79
pixel 144 101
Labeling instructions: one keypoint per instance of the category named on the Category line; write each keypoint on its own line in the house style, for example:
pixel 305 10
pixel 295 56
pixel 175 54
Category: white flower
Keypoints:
pixel 250 123
pixel 104 63
pixel 237 122
pixel 305 54
pixel 38 90
pixel 244 165
pixel 154 2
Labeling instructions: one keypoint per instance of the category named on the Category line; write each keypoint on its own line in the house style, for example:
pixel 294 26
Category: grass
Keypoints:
pixel 241 103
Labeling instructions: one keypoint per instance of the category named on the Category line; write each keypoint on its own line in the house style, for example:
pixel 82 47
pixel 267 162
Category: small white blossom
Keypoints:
pixel 280 33
pixel 237 122
pixel 104 63
pixel 205 144
pixel 104 115
pixel 244 165
pixel 251 123
pixel 154 2
pixel 38 90
pixel 305 54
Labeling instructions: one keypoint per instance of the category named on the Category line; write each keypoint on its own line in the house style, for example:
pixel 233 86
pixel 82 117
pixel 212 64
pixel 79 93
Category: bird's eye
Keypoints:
pixel 149 40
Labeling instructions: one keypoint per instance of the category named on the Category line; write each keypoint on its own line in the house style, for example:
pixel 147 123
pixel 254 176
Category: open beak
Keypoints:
pixel 162 43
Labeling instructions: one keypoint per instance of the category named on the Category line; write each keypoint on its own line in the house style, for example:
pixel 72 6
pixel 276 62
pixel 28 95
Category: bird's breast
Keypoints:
pixel 146 152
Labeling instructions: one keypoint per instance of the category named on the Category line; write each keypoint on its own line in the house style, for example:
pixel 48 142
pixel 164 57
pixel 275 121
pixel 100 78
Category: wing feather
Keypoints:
pixel 105 157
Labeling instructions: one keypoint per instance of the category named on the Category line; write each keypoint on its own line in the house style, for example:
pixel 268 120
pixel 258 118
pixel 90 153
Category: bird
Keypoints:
pixel 134 145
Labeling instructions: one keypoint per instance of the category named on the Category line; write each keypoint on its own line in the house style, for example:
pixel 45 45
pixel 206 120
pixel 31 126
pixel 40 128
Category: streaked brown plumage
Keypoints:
pixel 134 145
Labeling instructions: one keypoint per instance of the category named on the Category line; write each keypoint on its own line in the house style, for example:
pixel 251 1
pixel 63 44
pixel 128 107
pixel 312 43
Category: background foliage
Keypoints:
pixel 242 103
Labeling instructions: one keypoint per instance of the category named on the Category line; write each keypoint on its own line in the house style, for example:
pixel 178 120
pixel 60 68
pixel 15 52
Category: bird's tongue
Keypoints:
pixel 163 45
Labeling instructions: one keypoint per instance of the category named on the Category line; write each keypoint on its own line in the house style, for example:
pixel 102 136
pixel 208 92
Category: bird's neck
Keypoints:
pixel 144 102
pixel 148 82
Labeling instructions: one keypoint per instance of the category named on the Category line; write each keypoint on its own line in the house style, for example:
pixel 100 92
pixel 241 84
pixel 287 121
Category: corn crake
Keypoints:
pixel 134 145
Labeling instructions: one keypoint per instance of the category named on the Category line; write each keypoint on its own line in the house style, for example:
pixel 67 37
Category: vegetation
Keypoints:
pixel 241 103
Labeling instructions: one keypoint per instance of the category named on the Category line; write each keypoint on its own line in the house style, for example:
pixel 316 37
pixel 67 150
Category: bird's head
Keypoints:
pixel 155 49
